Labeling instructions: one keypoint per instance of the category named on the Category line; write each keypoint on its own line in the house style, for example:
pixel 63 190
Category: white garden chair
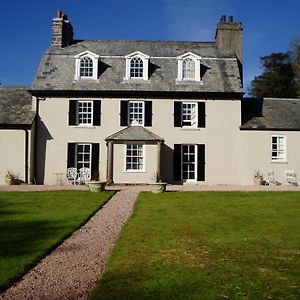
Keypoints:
pixel 72 175
pixel 270 179
pixel 84 175
pixel 291 177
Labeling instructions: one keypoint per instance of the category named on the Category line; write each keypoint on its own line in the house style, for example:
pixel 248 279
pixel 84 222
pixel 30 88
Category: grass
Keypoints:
pixel 32 224
pixel 207 245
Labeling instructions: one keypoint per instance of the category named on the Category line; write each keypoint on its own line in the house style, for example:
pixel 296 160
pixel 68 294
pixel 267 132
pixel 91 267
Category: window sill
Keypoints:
pixel 85 126
pixel 279 162
pixel 190 129
pixel 135 80
pixel 134 171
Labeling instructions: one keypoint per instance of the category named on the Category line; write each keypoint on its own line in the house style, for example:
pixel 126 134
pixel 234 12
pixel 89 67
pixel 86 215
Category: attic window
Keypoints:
pixel 137 66
pixel 86 65
pixel 189 67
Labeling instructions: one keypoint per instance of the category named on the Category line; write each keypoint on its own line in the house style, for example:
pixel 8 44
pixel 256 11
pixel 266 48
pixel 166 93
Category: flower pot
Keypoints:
pixel 257 180
pixel 12 181
pixel 158 187
pixel 97 186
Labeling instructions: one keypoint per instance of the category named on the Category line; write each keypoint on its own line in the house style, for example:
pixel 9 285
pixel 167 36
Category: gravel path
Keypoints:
pixel 71 270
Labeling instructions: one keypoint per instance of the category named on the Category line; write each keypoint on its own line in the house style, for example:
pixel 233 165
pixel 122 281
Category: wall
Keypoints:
pixel 220 138
pixel 256 154
pixel 12 156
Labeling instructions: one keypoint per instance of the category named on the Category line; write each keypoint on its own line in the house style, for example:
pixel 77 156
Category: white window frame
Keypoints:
pixel 145 59
pixel 281 151
pixel 194 120
pixel 195 162
pixel 86 54
pixel 197 62
pixel 143 158
pixel 89 113
pixel 132 121
pixel 86 164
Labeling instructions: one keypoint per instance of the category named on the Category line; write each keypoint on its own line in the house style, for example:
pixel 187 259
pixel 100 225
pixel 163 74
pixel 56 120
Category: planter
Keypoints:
pixel 12 181
pixel 257 180
pixel 158 187
pixel 97 186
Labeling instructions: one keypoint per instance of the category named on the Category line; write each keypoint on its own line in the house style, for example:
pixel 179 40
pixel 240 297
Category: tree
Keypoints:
pixel 278 78
pixel 295 50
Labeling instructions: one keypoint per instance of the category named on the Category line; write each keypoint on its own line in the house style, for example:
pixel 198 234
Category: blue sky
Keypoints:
pixel 269 26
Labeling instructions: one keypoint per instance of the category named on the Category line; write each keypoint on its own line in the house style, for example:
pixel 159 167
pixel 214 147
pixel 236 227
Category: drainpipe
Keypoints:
pixel 26 155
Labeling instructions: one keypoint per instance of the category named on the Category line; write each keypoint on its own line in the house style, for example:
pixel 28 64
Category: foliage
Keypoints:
pixel 258 174
pixel 207 245
pixel 11 175
pixel 32 224
pixel 277 79
pixel 295 54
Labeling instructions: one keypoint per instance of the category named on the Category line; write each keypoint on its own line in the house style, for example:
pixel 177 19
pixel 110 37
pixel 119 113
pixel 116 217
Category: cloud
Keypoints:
pixel 193 19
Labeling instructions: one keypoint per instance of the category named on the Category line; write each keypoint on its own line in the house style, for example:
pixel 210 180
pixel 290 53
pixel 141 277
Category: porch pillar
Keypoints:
pixel 110 160
pixel 158 170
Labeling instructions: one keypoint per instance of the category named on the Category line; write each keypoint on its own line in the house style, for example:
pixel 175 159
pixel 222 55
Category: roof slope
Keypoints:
pixel 15 106
pixel 220 70
pixel 134 133
pixel 271 114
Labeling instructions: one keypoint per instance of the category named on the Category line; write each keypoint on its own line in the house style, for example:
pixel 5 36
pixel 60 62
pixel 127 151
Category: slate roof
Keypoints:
pixel 134 133
pixel 220 70
pixel 15 106
pixel 270 114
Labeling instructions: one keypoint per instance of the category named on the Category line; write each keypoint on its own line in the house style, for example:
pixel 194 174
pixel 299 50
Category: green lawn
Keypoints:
pixel 207 245
pixel 32 224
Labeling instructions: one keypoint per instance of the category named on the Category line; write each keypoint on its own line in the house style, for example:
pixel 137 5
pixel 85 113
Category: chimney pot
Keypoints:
pixel 223 19
pixel 230 19
pixel 59 14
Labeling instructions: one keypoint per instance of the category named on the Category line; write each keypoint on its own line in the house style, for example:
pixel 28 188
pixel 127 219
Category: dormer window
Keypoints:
pixel 137 66
pixel 86 65
pixel 189 67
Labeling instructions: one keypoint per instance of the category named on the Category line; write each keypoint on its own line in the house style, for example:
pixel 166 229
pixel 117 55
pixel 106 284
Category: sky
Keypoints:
pixel 269 26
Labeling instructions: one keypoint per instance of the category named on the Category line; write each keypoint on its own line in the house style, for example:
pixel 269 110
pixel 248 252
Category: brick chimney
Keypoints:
pixel 62 30
pixel 229 36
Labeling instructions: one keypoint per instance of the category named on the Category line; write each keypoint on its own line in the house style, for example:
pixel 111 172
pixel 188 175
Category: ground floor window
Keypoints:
pixel 278 148
pixel 189 162
pixel 134 157
pixel 84 155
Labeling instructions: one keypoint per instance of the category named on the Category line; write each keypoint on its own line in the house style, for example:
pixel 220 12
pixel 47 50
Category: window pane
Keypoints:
pixel 134 157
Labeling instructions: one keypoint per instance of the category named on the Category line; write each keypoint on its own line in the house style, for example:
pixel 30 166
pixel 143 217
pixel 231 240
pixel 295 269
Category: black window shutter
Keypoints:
pixel 71 155
pixel 201 163
pixel 95 162
pixel 177 114
pixel 177 162
pixel 72 112
pixel 124 113
pixel 148 113
pixel 96 112
pixel 201 114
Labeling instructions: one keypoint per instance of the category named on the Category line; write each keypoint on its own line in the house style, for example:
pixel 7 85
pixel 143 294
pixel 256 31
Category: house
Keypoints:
pixel 16 131
pixel 134 110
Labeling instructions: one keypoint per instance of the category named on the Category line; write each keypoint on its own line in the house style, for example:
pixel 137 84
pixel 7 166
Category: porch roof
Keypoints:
pixel 134 133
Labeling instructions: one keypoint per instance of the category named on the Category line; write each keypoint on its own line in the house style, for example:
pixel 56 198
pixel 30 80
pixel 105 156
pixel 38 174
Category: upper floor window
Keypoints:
pixel 86 65
pixel 189 67
pixel 137 64
pixel 278 148
pixel 135 113
pixel 84 112
pixel 189 114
